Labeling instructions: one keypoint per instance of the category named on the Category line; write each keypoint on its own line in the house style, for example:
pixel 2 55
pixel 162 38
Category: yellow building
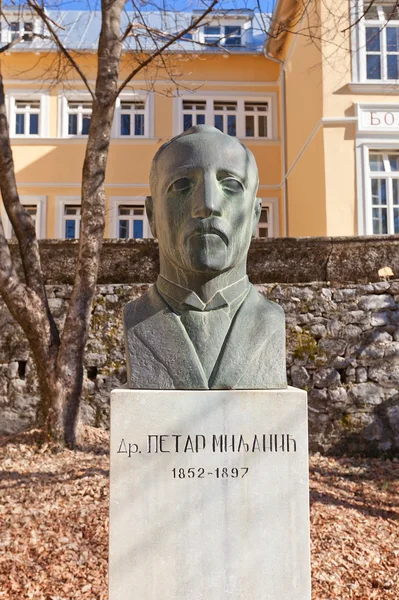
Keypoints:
pixel 234 87
pixel 340 75
pixel 317 105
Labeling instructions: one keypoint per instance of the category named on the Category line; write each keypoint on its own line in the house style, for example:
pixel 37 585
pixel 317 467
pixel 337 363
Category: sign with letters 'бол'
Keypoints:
pixel 209 495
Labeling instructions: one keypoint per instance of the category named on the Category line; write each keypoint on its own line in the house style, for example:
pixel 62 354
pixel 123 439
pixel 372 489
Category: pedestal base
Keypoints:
pixel 209 495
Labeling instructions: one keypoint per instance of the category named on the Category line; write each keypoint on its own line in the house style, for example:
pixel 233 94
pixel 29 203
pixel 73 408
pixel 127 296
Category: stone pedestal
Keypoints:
pixel 209 495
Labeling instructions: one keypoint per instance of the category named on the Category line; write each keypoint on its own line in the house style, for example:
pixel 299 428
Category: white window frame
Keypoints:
pixel 244 23
pixel 44 112
pixel 363 177
pixel 240 98
pixel 40 202
pixel 6 33
pixel 358 45
pixel 64 103
pixel 132 201
pixel 273 224
pixel 145 97
pixel 60 203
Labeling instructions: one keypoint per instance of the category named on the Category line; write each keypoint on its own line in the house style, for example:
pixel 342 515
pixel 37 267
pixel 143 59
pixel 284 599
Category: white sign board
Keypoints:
pixel 378 118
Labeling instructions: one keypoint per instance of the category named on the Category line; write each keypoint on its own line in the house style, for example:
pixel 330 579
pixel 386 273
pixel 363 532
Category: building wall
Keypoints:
pixel 50 167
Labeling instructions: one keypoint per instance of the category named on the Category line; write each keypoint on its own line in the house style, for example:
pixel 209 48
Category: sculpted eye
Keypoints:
pixel 180 185
pixel 232 186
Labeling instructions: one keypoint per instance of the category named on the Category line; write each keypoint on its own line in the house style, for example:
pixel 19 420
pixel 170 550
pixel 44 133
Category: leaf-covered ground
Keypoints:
pixel 54 523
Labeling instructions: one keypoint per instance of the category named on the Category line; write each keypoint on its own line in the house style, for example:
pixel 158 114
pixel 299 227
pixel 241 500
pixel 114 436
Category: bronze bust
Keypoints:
pixel 203 325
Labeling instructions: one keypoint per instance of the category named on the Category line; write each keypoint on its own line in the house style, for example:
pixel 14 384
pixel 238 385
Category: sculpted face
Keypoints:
pixel 204 208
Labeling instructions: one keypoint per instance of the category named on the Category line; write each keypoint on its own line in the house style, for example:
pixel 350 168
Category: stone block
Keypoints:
pixel 376 302
pixel 197 513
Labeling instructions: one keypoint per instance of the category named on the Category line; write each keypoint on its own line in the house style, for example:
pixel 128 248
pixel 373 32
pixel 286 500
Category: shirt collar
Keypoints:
pixel 185 299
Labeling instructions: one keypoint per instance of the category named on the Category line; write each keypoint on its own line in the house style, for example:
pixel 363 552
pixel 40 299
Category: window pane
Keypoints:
pixel 200 119
pixel 34 124
pixel 390 12
pixel 138 124
pixel 211 30
pixel 124 211
pixel 137 229
pixel 373 66
pixel 395 186
pixel 380 221
pixel 371 13
pixel 124 229
pixel 138 211
pixel 233 35
pixel 394 161
pixel 219 122
pixel 188 121
pixel 264 215
pixel 249 125
pixel 392 61
pixel 372 39
pixel 231 125
pixel 263 232
pixel 20 124
pixel 262 126
pixel 396 220
pixel 72 124
pixel 392 34
pixel 125 124
pixel 378 192
pixel 376 162
pixel 71 210
pixel 85 124
pixel 70 228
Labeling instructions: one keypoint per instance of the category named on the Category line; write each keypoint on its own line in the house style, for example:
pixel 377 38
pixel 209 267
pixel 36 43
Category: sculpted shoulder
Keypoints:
pixel 143 308
pixel 266 308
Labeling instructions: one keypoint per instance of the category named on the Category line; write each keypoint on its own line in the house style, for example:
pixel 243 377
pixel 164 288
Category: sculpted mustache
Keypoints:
pixel 204 226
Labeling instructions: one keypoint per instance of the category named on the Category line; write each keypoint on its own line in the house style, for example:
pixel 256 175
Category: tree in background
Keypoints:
pixel 58 356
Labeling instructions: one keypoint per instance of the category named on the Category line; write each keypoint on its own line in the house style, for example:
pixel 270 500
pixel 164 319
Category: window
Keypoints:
pixel 243 118
pixel 232 35
pixel 256 119
pixel 264 225
pixel 36 207
pixel 20 29
pixel 193 113
pixel 130 222
pixel 71 221
pixel 383 172
pixel 27 114
pixel 225 118
pixel 212 34
pixel 380 33
pixel 223 35
pixel 132 118
pixel 78 113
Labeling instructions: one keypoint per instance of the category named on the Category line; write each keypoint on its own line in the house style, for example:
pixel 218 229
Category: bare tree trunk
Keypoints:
pixel 70 360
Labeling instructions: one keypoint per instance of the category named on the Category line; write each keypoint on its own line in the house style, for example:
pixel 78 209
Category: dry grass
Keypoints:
pixel 54 523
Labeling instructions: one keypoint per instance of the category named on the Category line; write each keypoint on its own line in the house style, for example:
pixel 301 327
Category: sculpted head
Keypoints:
pixel 203 207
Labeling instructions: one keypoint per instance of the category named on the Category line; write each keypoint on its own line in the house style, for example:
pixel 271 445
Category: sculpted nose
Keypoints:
pixel 207 199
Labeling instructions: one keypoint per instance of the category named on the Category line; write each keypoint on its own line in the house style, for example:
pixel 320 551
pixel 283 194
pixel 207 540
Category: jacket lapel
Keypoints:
pixel 249 331
pixel 168 341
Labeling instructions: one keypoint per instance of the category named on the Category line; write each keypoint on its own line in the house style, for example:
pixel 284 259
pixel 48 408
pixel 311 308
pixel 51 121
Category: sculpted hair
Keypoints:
pixel 198 129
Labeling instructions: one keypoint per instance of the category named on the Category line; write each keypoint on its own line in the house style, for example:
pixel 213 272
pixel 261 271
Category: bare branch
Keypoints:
pixel 48 23
pixel 162 49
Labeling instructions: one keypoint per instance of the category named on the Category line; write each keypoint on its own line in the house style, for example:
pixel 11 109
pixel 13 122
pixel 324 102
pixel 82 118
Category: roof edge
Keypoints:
pixel 280 22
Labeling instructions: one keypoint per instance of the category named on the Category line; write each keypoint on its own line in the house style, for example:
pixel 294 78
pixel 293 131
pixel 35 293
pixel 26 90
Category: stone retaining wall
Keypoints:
pixel 342 346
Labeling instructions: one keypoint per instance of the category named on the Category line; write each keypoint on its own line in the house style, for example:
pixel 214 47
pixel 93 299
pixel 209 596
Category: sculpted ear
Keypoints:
pixel 257 212
pixel 149 208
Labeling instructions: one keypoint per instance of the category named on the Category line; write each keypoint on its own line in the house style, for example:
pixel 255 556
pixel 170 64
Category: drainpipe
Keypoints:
pixel 283 135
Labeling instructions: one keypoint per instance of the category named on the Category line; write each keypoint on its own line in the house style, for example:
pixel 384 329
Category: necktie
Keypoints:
pixel 207 331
